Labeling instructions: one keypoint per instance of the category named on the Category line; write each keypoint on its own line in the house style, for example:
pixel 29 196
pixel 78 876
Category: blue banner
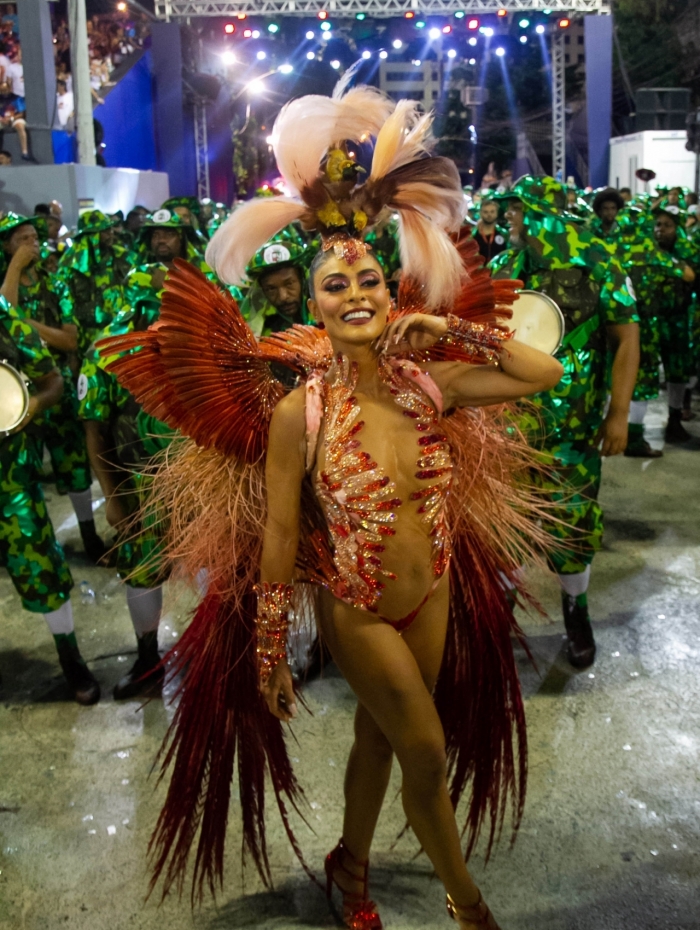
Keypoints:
pixel 598 31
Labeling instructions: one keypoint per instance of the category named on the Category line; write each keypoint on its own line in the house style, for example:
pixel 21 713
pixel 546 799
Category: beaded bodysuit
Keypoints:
pixel 358 499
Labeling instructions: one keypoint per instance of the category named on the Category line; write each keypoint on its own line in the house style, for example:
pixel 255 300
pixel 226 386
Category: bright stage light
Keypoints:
pixel 417 62
pixel 472 61
pixel 335 64
pixel 384 54
pixel 539 29
pixel 523 40
pixel 524 23
pixel 228 58
pixel 452 53
pixel 397 44
pixel 500 51
pixel 366 54
pixel 322 14
pixel 229 29
pixel 564 23
pixel 460 14
pixel 446 30
pixel 247 33
pixel 310 35
pixel 285 69
pixel 256 87
pixel 311 55
pixel 473 41
pixel 121 7
pixel 420 24
pixel 241 15
pixel 261 56
pixel 256 33
pixel 487 31
pixel 410 15
pixel 326 27
pixel 434 33
pixel 473 23
pixel 273 28
pixel 360 16
pixel 327 36
pixel 502 12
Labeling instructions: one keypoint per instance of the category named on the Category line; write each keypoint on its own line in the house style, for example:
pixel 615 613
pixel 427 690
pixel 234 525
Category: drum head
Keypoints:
pixel 13 398
pixel 537 321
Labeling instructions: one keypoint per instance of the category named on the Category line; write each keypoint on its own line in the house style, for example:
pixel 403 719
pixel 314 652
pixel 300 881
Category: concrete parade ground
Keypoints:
pixel 610 839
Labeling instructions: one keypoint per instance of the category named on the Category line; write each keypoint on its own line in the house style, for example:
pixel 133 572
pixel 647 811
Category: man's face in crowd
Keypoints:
pixel 53 225
pixel 665 231
pixel 135 220
pixel 673 195
pixel 489 213
pixel 166 244
pixel 282 287
pixel 608 212
pixel 626 196
pixel 515 219
pixel 24 235
pixel 107 238
pixel 571 198
pixel 185 215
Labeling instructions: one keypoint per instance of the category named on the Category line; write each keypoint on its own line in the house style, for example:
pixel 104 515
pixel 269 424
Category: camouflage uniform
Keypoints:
pixel 676 314
pixel 583 276
pixel 28 547
pixel 287 248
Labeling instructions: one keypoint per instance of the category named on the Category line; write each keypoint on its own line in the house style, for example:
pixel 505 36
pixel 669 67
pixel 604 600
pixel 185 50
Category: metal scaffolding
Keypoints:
pixel 558 107
pixel 201 147
pixel 379 9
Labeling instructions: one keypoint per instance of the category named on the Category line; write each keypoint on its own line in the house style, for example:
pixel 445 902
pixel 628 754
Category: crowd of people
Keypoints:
pixel 621 268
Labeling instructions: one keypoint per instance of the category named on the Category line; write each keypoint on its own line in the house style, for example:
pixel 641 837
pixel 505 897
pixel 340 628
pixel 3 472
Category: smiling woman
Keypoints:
pixel 411 524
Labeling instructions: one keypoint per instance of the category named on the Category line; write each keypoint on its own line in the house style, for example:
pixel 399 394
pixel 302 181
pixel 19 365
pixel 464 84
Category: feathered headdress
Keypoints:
pixel 335 196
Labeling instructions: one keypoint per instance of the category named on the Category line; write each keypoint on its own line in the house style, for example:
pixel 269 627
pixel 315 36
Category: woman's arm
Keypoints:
pixel 65 339
pixel 284 473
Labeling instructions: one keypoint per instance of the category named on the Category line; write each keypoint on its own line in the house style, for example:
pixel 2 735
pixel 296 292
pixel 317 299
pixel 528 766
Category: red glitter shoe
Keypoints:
pixel 359 913
pixel 478 915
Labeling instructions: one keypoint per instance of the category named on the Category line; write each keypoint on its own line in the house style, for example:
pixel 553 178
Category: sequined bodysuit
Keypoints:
pixel 358 499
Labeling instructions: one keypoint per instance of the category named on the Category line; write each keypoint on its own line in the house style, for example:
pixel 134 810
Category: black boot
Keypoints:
pixel 81 681
pixel 637 446
pixel 94 547
pixel 581 651
pixel 675 431
pixel 146 674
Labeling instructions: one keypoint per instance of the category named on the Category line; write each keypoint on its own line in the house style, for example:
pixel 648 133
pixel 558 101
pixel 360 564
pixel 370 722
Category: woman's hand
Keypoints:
pixel 279 692
pixel 419 331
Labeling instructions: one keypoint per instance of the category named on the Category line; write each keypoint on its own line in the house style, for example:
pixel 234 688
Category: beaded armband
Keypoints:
pixel 272 621
pixel 481 341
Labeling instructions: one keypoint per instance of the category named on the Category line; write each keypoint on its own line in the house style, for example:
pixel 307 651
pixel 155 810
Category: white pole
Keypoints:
pixel 80 66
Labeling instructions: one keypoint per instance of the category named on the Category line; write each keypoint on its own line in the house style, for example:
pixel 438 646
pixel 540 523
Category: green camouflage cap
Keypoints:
pixel 164 218
pixel 93 221
pixel 191 203
pixel 286 248
pixel 677 213
pixel 12 221
pixel 543 195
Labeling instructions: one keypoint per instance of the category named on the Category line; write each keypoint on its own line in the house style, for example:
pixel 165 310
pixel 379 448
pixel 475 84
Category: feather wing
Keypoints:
pixel 199 369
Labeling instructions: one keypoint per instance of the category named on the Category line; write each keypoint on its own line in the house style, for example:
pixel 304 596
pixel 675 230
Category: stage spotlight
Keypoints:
pixel 420 24
pixel 335 64
pixel 460 14
pixel 256 87
pixel 247 33
pixel 360 16
pixel 273 28
pixel 229 29
pixel 241 15
pixel 409 15
pixel 121 7
pixel 256 33
pixel 502 12
pixel 322 14
pixel 228 58
pixel 523 40
pixel 417 62
pixel 524 23
pixel 311 55
pixel 473 41
pixel 261 56
pixel 366 54
pixel 434 33
pixel 446 30
pixel 487 31
pixel 473 23
pixel 472 61
pixel 547 11
pixel 564 23
pixel 539 29
pixel 384 54
pixel 452 53
pixel 310 35
pixel 285 69
pixel 326 27
pixel 500 51
pixel 397 44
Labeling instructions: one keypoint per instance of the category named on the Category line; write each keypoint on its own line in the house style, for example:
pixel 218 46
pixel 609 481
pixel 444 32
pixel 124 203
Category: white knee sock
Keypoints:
pixel 82 504
pixel 145 605
pixel 638 409
pixel 575 584
pixel 60 621
pixel 675 395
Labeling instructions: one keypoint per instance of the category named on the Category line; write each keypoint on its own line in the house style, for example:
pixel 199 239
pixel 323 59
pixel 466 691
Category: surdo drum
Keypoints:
pixel 14 398
pixel 537 321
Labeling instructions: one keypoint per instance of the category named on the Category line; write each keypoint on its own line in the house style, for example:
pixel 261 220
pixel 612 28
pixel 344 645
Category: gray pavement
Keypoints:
pixel 610 838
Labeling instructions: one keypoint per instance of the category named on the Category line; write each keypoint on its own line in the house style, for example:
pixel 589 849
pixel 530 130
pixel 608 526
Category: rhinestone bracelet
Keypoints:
pixel 274 604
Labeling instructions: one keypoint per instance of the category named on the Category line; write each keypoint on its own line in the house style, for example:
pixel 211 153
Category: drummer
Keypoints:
pixel 28 548
pixel 44 301
pixel 552 253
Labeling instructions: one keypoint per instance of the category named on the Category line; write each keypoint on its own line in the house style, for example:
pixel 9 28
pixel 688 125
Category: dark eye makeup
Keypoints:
pixel 371 279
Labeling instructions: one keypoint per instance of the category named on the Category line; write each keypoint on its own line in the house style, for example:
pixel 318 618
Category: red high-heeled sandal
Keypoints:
pixel 478 914
pixel 359 913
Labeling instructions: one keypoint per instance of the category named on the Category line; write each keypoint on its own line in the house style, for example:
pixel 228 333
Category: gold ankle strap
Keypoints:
pixel 474 914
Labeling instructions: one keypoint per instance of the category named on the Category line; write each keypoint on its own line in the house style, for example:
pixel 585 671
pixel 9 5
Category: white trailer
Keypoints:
pixel 662 150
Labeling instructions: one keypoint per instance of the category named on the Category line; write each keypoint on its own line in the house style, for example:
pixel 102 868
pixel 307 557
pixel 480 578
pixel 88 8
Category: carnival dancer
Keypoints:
pixel 409 522
pixel 551 252
pixel 94 269
pixel 122 438
pixel 44 301
pixel 28 547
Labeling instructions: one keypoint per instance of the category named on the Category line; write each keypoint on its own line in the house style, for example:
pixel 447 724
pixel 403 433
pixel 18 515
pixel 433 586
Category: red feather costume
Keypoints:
pixel 200 370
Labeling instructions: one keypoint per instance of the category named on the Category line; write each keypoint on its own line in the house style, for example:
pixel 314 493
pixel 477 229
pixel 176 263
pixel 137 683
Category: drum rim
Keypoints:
pixel 25 394
pixel 555 306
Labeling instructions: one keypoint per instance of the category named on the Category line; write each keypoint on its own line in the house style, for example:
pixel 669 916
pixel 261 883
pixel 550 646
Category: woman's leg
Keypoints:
pixel 393 677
